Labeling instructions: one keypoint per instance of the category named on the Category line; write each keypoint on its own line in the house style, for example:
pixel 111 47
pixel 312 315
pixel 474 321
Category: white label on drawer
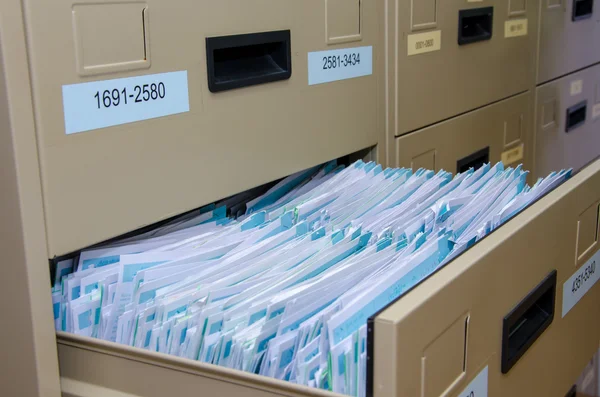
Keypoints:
pixel 580 283
pixel 421 43
pixel 512 155
pixel 515 28
pixel 596 111
pixel 335 65
pixel 99 104
pixel 576 87
pixel 478 387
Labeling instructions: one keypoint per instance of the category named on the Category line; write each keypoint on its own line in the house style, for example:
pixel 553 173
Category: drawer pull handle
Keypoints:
pixel 248 59
pixel 527 321
pixel 475 24
pixel 474 160
pixel 582 9
pixel 576 116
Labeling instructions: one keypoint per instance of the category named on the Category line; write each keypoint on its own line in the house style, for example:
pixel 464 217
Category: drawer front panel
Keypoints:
pixel 488 134
pixel 567 122
pixel 489 283
pixel 238 109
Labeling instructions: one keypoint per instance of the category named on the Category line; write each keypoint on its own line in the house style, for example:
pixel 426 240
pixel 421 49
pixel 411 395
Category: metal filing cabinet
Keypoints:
pixel 492 133
pixel 65 188
pixel 567 124
pixel 569 37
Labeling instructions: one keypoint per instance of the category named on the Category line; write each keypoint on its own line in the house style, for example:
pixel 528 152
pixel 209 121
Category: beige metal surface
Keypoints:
pixel 429 87
pixel 29 365
pixel 484 284
pixel 566 45
pixel 112 369
pixel 555 147
pixel 501 127
pixel 136 174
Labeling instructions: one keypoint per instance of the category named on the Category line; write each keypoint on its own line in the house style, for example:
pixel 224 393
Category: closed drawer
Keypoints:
pixel 567 121
pixel 454 319
pixel 569 37
pixel 113 137
pixel 445 58
pixel 492 133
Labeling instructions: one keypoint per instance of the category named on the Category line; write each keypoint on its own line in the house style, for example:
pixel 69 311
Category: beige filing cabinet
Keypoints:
pixel 444 58
pixel 64 189
pixel 567 123
pixel 490 134
pixel 569 37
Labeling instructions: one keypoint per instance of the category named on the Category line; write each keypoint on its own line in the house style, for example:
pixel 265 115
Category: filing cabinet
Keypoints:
pixel 245 104
pixel 567 121
pixel 569 37
pixel 445 58
pixel 493 133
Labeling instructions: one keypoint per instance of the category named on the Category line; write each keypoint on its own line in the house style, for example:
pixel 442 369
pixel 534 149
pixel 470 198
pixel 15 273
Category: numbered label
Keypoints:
pixel 512 155
pixel 335 65
pixel 576 87
pixel 99 104
pixel 580 283
pixel 478 386
pixel 422 43
pixel 515 28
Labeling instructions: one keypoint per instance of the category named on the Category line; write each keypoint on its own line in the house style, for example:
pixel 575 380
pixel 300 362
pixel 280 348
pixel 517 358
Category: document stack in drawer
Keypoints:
pixel 286 289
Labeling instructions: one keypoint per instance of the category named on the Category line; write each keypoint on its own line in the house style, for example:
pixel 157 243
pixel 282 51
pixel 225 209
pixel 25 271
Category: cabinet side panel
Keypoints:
pixel 28 347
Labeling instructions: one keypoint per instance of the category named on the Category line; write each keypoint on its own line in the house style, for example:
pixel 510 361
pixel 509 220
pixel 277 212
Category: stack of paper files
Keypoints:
pixel 286 289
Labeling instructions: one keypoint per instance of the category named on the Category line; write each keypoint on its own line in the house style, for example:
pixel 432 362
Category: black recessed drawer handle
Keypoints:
pixel 582 9
pixel 475 24
pixel 474 160
pixel 527 321
pixel 248 59
pixel 576 116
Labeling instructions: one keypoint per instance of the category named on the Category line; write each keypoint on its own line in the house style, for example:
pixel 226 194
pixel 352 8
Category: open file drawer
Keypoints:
pixel 436 338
